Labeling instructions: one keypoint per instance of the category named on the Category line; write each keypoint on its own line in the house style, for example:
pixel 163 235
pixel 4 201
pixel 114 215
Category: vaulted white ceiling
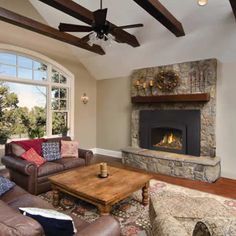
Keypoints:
pixel 210 32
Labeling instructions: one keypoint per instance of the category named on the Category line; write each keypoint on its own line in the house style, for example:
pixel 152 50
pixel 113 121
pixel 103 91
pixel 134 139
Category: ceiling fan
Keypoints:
pixel 100 29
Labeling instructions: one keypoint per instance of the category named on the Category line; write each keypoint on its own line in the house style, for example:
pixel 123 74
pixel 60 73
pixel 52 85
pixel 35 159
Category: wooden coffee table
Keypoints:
pixel 85 184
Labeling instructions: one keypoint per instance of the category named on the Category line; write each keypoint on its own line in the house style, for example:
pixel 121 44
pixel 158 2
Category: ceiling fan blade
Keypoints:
pixel 130 26
pixel 86 38
pixel 100 16
pixel 74 28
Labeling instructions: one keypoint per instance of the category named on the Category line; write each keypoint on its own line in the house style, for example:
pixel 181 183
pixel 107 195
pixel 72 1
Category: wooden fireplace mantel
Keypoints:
pixel 198 97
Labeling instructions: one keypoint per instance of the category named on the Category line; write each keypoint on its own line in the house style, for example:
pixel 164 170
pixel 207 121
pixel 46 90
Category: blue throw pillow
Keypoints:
pixel 53 222
pixel 5 185
pixel 51 151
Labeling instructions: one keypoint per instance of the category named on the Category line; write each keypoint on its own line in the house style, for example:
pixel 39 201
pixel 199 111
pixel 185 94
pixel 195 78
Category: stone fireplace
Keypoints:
pixel 175 136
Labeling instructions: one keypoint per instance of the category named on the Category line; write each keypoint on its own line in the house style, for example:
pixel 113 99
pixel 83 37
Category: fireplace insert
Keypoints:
pixel 175 131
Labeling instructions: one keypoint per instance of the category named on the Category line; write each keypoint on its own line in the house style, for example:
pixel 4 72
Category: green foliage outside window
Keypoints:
pixel 8 104
pixel 22 122
pixel 35 122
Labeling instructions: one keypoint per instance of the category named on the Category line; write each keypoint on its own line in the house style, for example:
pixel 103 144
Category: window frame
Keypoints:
pixel 51 64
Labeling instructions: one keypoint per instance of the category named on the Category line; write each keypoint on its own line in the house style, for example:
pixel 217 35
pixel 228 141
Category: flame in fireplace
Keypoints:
pixel 170 140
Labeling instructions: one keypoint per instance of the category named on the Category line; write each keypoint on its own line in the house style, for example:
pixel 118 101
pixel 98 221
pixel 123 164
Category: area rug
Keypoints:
pixel 132 215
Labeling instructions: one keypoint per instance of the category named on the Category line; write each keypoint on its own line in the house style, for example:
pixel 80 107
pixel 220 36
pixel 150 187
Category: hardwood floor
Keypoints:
pixel 223 186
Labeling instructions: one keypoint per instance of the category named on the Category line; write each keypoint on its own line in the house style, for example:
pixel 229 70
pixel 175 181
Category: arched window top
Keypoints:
pixel 34 67
pixel 35 56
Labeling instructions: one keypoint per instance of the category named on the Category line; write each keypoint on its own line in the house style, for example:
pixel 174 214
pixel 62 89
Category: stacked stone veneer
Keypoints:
pixel 202 168
pixel 208 110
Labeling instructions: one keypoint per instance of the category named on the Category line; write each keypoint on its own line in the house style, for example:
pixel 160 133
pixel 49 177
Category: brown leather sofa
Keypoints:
pixel 35 179
pixel 12 222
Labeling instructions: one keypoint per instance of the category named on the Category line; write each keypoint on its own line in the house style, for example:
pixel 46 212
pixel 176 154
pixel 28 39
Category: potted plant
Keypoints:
pixel 37 132
pixel 64 130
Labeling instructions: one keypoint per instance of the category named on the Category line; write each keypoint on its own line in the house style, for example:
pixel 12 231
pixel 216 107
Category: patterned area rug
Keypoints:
pixel 132 215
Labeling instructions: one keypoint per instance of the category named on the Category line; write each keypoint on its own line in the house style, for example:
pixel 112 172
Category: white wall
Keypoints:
pixel 113 113
pixel 226 118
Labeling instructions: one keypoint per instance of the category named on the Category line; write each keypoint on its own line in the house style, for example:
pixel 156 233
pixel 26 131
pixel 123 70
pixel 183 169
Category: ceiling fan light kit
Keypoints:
pixel 105 41
pixel 202 2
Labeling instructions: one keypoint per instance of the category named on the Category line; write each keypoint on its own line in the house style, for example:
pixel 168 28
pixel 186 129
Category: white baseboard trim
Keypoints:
pixel 107 152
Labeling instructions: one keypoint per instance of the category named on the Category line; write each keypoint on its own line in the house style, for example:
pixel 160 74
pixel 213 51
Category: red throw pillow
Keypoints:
pixel 32 143
pixel 32 155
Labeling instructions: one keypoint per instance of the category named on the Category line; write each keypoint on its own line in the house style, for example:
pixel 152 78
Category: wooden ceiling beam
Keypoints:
pixel 71 8
pixel 233 5
pixel 35 26
pixel 160 13
pixel 79 12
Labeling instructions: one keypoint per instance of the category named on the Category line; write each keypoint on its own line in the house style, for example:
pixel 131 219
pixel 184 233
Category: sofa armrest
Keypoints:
pixel 13 222
pixel 20 165
pixel 87 155
pixel 104 226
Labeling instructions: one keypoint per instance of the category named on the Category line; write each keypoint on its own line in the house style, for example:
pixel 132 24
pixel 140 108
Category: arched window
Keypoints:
pixel 36 95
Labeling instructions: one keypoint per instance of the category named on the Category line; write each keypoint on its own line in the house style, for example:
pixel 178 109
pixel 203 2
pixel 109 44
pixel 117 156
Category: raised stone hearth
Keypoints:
pixel 184 166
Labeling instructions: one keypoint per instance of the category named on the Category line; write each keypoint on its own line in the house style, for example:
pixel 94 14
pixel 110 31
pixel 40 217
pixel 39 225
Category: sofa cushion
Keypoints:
pixel 49 168
pixel 5 185
pixel 32 143
pixel 51 151
pixel 53 222
pixel 33 156
pixel 71 162
pixel 17 149
pixel 69 148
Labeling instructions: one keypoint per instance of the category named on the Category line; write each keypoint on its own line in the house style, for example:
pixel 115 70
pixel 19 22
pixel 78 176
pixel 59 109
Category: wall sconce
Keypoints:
pixel 202 2
pixel 84 98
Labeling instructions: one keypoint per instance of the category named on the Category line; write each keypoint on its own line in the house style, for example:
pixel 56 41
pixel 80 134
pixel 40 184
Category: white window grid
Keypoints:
pixel 46 83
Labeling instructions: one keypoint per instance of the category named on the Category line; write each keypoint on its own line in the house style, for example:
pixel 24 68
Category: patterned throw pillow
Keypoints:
pixel 53 222
pixel 69 148
pixel 33 156
pixel 51 151
pixel 5 185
